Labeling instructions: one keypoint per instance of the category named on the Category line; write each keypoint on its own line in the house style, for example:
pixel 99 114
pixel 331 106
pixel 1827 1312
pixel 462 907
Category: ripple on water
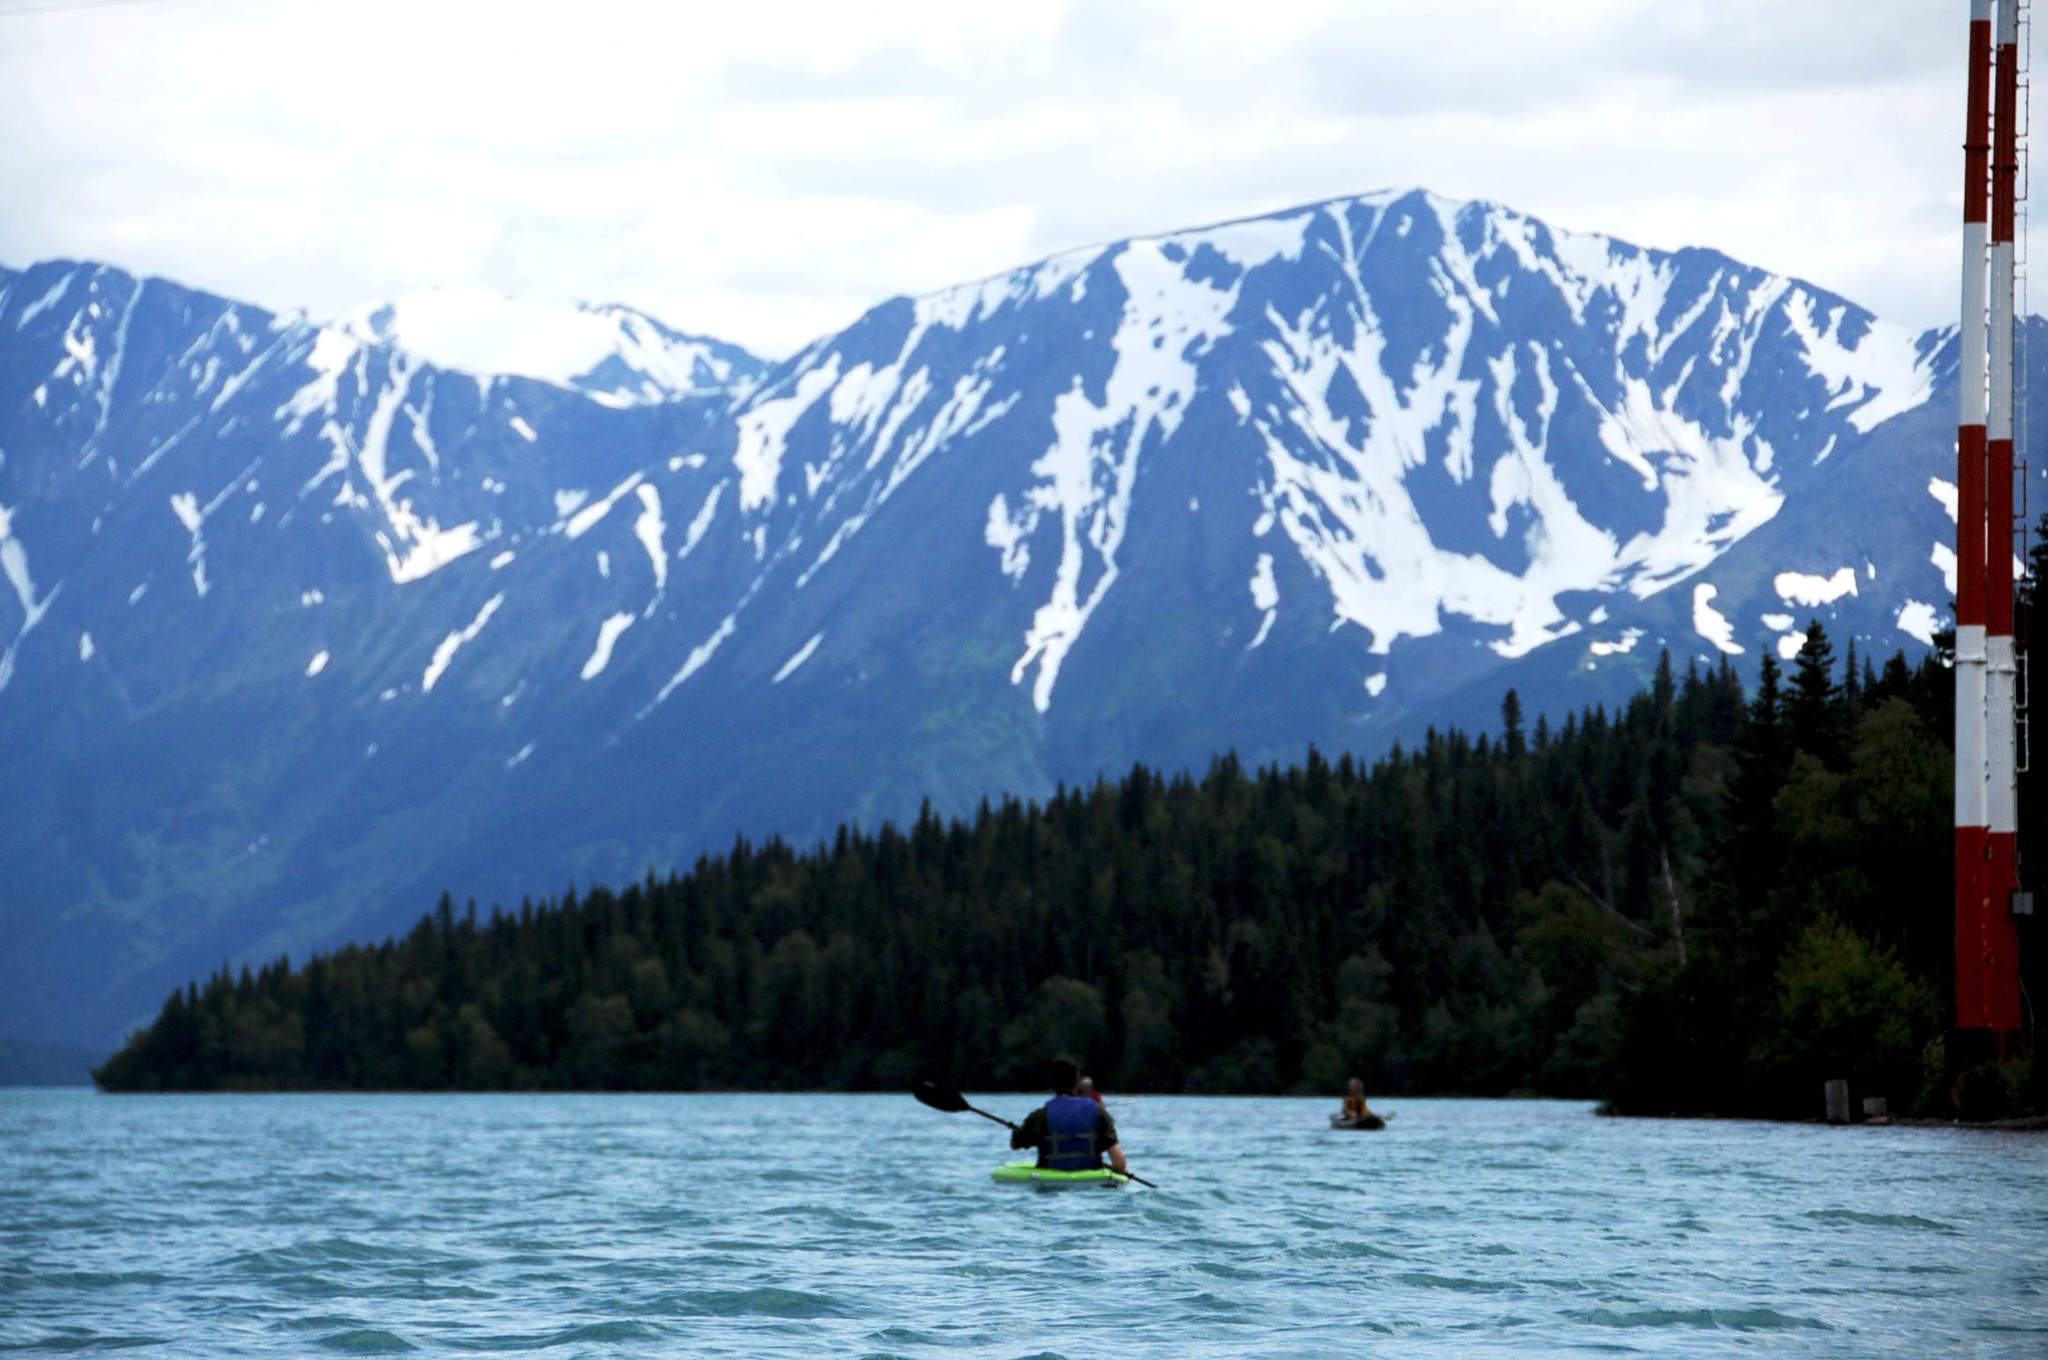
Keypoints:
pixel 366 1341
pixel 102 1279
pixel 1727 1319
pixel 1910 1221
pixel 438 1293
pixel 1335 1248
pixel 300 1256
pixel 82 1339
pixel 764 1302
pixel 599 1333
pixel 906 1336
pixel 828 1216
pixel 1462 1284
pixel 320 1322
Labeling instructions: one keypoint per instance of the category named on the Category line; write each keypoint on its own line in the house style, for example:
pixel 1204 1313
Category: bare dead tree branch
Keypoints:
pixel 1671 895
pixel 1607 906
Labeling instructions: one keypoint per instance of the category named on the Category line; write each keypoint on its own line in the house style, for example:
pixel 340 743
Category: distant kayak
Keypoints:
pixel 1371 1123
pixel 1026 1173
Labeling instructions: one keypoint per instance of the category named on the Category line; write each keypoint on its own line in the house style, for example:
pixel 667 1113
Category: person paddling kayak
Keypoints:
pixel 1354 1102
pixel 1071 1132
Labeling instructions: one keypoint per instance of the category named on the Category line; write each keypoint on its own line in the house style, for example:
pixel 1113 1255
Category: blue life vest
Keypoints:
pixel 1070 1124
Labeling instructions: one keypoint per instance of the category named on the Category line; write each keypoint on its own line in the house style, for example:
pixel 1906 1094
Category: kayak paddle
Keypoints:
pixel 948 1101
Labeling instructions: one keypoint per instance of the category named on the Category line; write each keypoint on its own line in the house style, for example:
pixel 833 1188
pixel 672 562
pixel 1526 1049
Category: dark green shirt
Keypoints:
pixel 1032 1132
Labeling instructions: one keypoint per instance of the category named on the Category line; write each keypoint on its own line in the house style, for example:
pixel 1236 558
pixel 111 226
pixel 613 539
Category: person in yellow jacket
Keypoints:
pixel 1354 1101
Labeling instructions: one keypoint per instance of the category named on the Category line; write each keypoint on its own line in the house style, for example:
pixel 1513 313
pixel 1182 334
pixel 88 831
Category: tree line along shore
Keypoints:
pixel 1709 900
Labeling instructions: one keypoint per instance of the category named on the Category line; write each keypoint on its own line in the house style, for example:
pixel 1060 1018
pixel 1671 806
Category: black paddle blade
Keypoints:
pixel 940 1098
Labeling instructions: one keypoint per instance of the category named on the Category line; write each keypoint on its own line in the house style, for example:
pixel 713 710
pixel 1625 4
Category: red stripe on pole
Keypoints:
pixel 1977 135
pixel 1970 521
pixel 2005 142
pixel 2000 935
pixel 1997 605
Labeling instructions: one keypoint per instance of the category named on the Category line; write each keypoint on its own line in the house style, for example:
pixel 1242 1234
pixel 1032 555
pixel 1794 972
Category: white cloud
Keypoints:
pixel 764 173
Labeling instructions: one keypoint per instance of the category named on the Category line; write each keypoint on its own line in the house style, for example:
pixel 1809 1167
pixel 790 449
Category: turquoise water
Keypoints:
pixel 867 1225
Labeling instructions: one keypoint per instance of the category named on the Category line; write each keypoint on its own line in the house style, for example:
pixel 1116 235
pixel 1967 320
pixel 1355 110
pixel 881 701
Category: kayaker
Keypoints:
pixel 1071 1132
pixel 1354 1101
pixel 1088 1090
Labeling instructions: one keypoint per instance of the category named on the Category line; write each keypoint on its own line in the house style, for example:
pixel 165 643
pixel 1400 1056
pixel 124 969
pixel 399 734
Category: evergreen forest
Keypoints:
pixel 1711 900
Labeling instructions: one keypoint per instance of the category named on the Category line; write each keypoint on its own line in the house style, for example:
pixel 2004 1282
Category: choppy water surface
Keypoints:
pixel 866 1225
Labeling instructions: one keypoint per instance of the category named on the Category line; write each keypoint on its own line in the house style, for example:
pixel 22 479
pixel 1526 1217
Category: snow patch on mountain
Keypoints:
pixel 801 655
pixel 1918 619
pixel 1008 535
pixel 1881 373
pixel 1710 623
pixel 1803 588
pixel 1265 597
pixel 414 545
pixel 587 518
pixel 455 641
pixel 764 434
pixel 608 634
pixel 1086 476
pixel 700 523
pixel 651 529
pixel 50 298
pixel 1265 592
pixel 1339 493
pixel 1715 493
pixel 1620 646
pixel 1944 558
pixel 699 654
pixel 331 355
pixel 14 565
pixel 185 505
pixel 1945 493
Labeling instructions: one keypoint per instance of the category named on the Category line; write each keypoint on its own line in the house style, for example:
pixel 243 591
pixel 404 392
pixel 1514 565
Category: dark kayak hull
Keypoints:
pixel 1372 1123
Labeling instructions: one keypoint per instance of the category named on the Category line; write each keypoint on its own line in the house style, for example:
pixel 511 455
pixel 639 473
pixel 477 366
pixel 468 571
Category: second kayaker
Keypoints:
pixel 1071 1132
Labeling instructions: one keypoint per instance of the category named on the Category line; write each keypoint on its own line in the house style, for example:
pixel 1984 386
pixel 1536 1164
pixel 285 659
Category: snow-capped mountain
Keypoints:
pixel 305 624
pixel 613 354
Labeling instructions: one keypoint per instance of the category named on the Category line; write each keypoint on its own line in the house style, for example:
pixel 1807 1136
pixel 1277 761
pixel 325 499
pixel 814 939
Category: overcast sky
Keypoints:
pixel 766 171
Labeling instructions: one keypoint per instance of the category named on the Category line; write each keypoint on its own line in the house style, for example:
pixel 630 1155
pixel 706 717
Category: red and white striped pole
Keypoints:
pixel 1972 782
pixel 2000 938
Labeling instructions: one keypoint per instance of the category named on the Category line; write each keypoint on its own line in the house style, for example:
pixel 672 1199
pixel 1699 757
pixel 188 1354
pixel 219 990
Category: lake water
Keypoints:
pixel 867 1225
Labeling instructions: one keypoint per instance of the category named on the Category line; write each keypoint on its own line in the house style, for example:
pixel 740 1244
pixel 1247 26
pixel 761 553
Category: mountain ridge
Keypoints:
pixel 1327 476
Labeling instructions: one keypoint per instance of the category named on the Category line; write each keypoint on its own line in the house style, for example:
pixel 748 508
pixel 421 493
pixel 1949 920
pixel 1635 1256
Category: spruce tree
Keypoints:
pixel 1813 701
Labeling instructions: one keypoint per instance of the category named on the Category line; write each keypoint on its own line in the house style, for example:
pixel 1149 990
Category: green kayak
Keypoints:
pixel 1025 1173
